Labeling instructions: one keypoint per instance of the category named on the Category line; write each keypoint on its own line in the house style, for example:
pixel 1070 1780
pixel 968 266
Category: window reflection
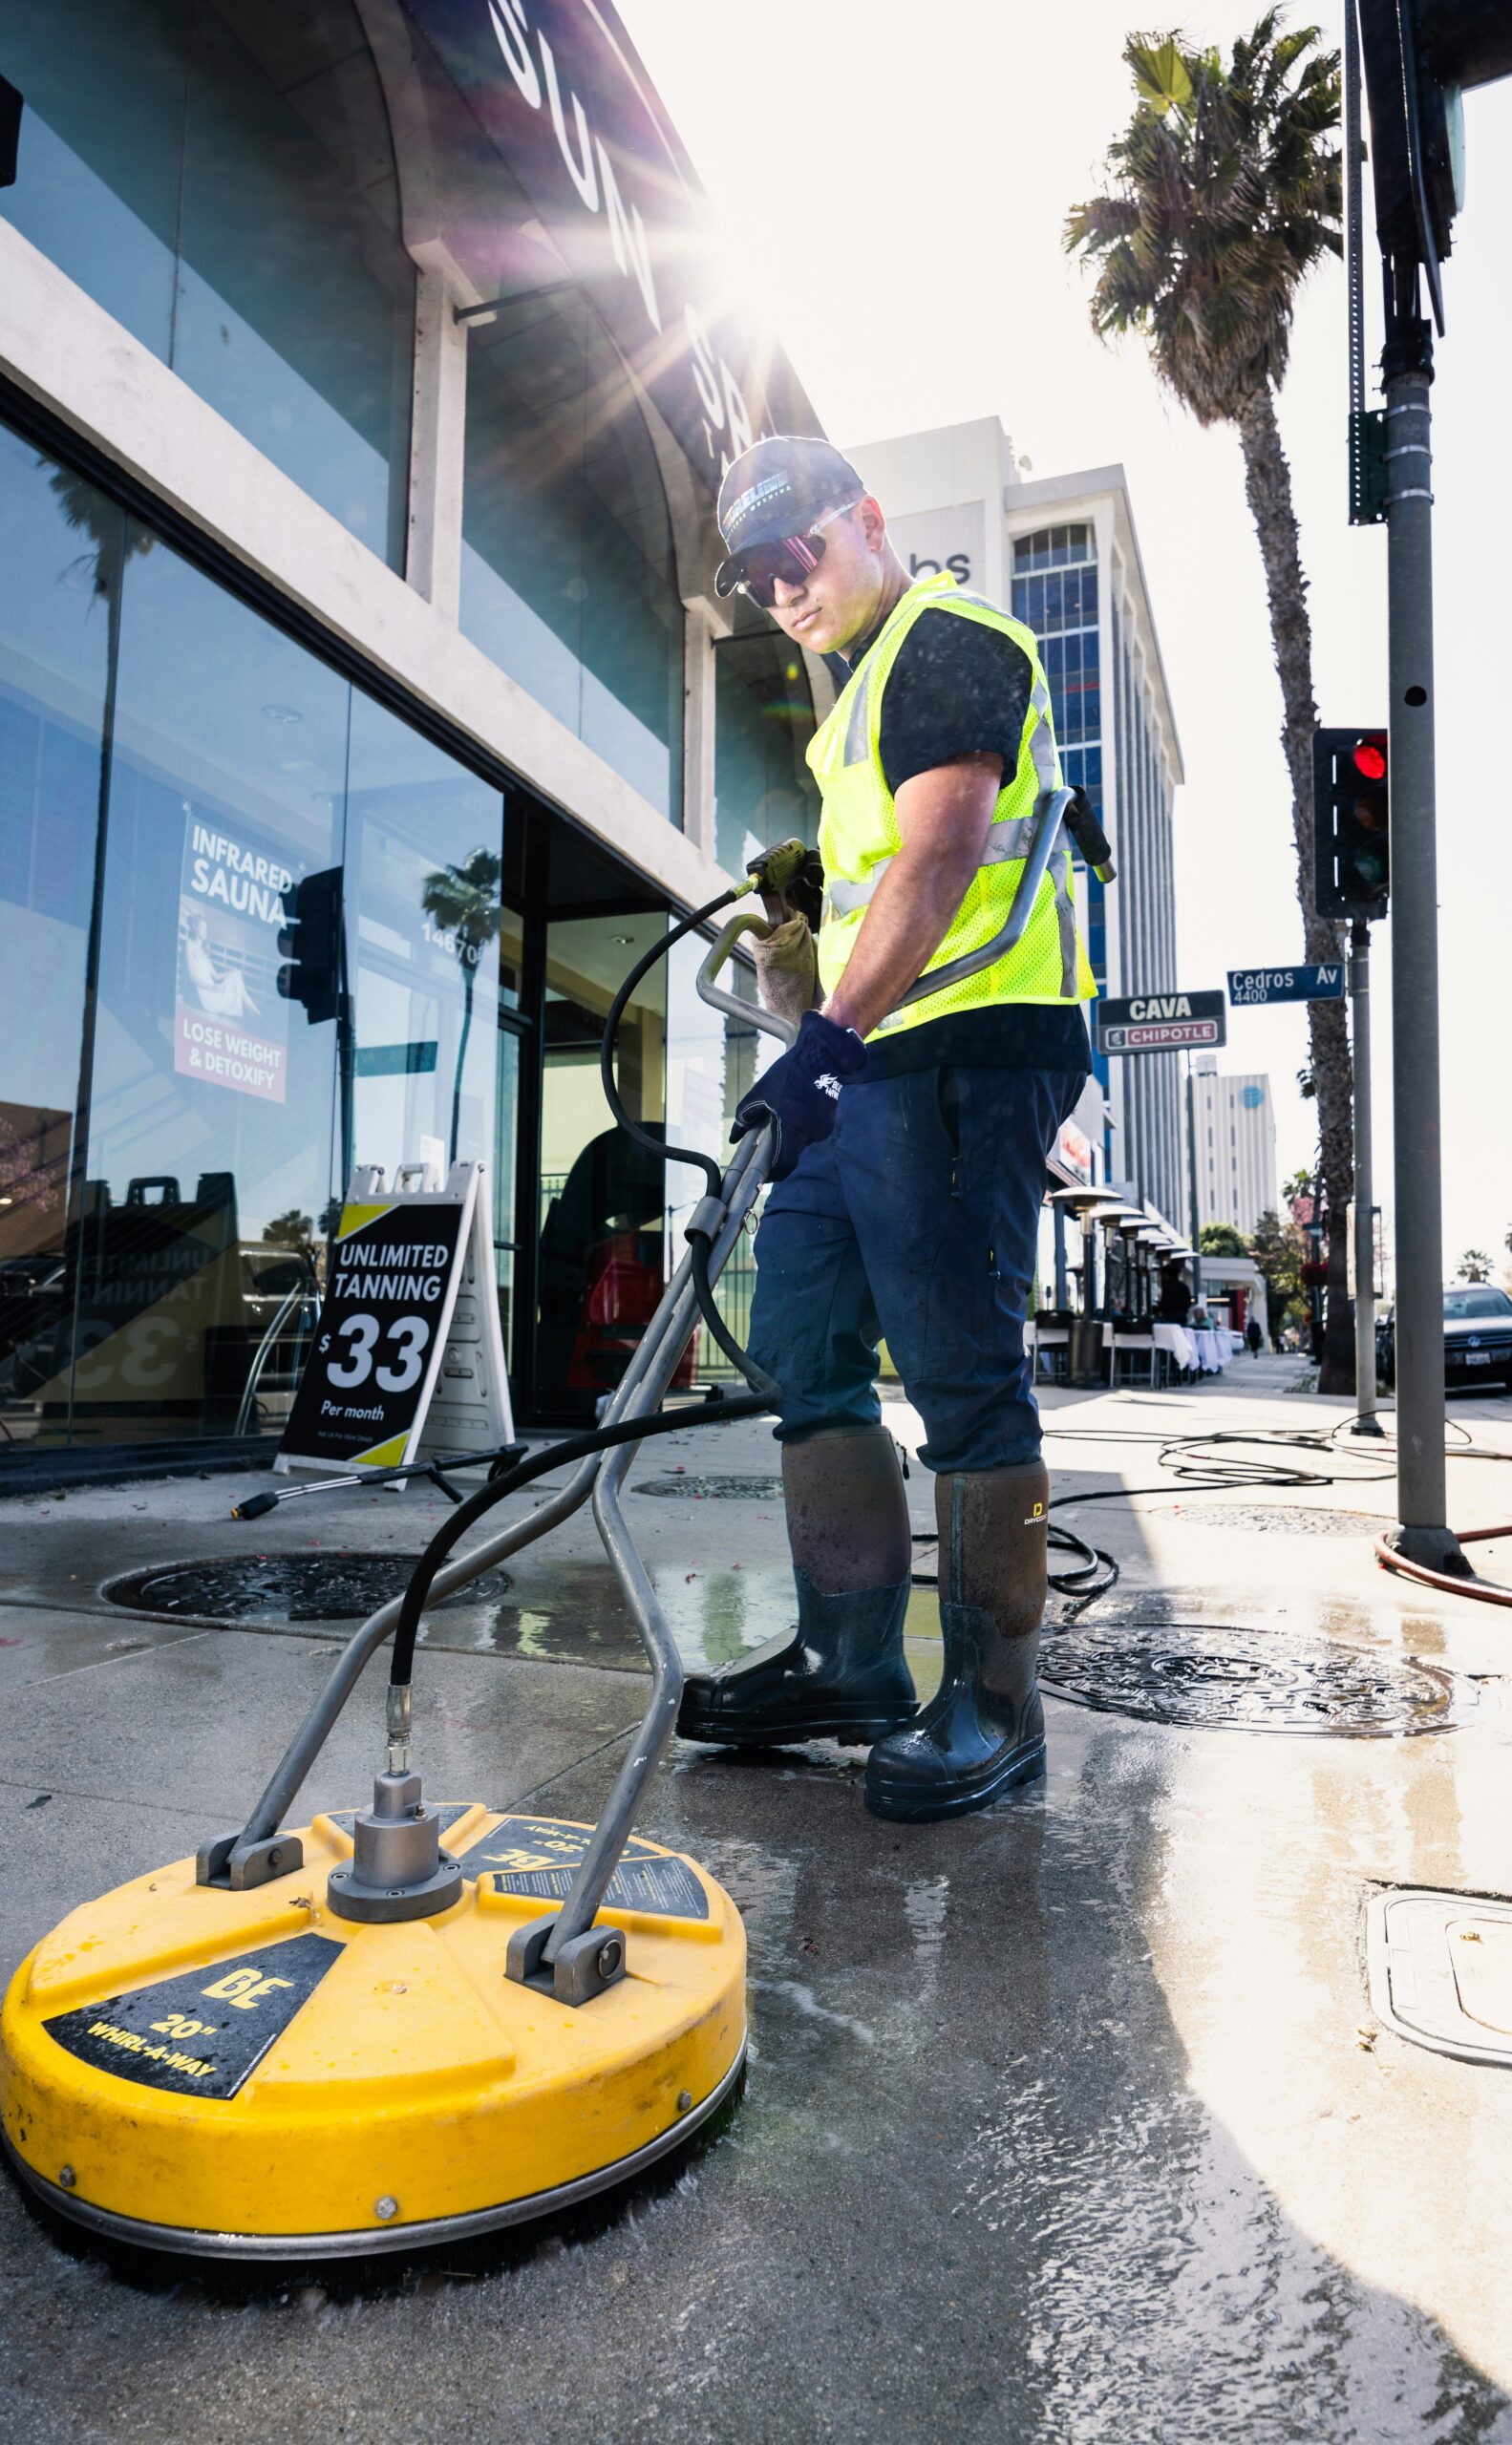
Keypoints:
pixel 63 546
pixel 424 921
pixel 219 176
pixel 568 579
pixel 763 721
pixel 601 1262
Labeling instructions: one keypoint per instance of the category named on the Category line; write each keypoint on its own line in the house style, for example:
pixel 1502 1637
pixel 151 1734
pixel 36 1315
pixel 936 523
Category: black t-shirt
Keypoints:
pixel 959 688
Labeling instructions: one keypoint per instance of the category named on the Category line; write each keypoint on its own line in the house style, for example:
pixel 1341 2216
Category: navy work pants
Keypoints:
pixel 917 1220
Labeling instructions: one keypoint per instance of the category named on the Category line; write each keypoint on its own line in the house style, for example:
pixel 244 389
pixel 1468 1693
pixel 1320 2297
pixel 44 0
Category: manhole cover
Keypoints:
pixel 283 1587
pixel 1277 1519
pixel 1440 1967
pixel 716 1489
pixel 1215 1676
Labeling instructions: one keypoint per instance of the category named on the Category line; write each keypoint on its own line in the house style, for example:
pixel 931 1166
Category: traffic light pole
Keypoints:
pixel 1365 1421
pixel 1194 1232
pixel 1423 1535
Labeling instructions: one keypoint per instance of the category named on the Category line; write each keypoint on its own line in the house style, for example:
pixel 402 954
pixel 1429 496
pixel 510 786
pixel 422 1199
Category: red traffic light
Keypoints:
pixel 1371 760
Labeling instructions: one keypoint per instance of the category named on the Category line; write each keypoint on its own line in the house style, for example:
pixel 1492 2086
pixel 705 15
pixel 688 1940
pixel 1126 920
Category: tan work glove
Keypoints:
pixel 787 970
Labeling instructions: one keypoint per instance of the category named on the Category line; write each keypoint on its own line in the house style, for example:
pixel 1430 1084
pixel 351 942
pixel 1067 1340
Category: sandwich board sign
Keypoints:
pixel 408 1360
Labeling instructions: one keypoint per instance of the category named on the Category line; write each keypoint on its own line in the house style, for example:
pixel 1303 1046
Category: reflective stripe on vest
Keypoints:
pixel 1010 840
pixel 859 837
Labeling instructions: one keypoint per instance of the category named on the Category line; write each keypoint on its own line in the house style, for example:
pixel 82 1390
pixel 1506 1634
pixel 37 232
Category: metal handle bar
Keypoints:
pixel 1050 810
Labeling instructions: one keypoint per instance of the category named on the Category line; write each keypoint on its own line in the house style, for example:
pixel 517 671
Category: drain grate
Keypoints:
pixel 716 1489
pixel 1277 1519
pixel 1215 1676
pixel 282 1587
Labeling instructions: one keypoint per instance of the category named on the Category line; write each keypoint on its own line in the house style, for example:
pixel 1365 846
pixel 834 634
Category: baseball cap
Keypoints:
pixel 776 488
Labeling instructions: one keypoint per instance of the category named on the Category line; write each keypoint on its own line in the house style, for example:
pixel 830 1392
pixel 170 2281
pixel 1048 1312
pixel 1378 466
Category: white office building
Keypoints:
pixel 1236 1148
pixel 1061 552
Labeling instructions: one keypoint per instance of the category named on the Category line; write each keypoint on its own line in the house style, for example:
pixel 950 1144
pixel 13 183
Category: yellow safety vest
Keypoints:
pixel 859 835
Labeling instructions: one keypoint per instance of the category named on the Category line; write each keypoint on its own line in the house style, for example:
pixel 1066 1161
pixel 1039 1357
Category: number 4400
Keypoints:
pixel 404 1352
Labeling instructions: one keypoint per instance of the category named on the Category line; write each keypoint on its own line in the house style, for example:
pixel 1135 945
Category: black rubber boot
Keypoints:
pixel 842 1676
pixel 984 1730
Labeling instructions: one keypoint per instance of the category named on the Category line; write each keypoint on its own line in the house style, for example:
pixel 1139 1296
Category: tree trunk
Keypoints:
pixel 1267 485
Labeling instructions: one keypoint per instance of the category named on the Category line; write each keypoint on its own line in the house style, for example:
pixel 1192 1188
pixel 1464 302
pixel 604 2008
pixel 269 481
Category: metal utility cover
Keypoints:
pixel 1440 1971
pixel 716 1489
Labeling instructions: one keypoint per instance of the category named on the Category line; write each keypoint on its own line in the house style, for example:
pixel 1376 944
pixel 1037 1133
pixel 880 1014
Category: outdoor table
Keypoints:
pixel 1179 1343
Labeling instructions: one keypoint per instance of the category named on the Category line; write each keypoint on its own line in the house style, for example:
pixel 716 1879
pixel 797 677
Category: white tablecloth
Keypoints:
pixel 1179 1342
pixel 1207 1350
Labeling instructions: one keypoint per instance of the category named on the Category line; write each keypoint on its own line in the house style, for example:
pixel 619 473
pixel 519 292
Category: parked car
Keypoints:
pixel 1478 1338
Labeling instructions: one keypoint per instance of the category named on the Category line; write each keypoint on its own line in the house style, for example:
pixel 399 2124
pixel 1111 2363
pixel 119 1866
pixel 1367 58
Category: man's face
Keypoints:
pixel 838 600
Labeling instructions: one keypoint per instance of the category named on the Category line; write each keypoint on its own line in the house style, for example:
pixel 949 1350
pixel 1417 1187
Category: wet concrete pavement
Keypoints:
pixel 1070 2121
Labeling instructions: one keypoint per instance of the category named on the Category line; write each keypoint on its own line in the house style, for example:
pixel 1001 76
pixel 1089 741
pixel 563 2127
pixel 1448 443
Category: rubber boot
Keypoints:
pixel 984 1730
pixel 842 1675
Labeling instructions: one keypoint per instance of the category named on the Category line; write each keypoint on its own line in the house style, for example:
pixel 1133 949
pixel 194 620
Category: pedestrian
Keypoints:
pixel 912 1150
pixel 1255 1338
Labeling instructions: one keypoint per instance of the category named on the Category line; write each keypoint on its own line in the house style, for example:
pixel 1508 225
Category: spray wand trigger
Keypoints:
pixel 791 881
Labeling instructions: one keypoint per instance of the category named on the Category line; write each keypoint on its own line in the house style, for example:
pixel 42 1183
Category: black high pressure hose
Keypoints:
pixel 517 1474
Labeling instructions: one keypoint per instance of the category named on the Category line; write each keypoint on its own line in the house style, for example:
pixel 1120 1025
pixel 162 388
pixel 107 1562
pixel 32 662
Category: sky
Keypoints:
pixel 892 181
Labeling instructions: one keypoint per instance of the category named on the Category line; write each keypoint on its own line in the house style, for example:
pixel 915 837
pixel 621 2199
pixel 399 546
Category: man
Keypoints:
pixel 911 1161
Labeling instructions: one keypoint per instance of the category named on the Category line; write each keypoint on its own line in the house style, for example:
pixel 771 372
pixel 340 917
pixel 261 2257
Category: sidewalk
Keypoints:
pixel 1070 2121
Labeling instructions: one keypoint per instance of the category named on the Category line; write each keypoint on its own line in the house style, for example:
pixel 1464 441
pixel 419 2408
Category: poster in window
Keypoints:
pixel 230 1024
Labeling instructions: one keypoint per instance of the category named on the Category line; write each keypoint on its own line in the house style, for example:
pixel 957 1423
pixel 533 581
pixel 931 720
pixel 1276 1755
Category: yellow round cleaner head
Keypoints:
pixel 264 2073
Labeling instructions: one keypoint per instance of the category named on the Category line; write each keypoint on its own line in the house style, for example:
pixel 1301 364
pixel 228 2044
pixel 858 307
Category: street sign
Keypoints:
pixel 1248 987
pixel 1160 1022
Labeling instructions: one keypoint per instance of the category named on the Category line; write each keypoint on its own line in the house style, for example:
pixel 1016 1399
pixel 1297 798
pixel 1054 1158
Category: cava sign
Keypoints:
pixel 1161 1022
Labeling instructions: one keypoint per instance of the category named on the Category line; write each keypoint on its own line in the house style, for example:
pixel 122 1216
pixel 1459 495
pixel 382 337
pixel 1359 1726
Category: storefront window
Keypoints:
pixel 158 1221
pixel 763 721
pixel 62 546
pixel 220 177
pixel 567 579
pixel 424 922
pixel 603 1198
pixel 210 1158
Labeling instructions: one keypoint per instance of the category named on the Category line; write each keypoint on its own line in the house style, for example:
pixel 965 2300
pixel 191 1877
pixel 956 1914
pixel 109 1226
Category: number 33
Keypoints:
pixel 408 1336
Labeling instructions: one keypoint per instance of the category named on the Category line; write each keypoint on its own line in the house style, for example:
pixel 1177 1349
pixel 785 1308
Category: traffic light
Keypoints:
pixel 1419 56
pixel 310 942
pixel 1352 850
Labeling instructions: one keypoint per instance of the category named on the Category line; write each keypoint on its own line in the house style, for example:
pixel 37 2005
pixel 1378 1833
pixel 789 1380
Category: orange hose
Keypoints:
pixel 1481 1589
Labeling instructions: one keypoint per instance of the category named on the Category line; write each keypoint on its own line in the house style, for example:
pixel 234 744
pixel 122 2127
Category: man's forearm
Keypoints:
pixel 910 914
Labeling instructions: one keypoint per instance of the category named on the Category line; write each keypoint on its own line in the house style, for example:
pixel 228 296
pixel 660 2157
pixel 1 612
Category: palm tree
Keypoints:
pixel 462 903
pixel 1224 193
pixel 1474 1265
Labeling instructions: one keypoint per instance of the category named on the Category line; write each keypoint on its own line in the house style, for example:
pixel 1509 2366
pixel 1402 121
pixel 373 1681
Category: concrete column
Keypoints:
pixel 437 432
pixel 700 626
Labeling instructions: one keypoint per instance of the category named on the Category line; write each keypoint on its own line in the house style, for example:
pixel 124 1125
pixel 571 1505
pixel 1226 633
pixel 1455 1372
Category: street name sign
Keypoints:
pixel 408 1358
pixel 1161 1022
pixel 1248 987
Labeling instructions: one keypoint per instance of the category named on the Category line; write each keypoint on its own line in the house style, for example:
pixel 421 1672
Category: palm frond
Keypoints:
pixel 1224 191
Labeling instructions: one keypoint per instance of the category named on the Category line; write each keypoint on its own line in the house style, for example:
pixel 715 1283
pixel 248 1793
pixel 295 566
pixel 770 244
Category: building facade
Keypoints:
pixel 1236 1147
pixel 364 391
pixel 1062 554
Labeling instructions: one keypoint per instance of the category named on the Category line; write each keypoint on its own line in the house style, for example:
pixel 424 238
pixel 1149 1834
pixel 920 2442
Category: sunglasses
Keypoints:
pixel 792 558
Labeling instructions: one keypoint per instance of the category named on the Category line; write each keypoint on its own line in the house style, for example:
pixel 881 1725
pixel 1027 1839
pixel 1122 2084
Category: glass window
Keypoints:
pixel 210 1134
pixel 424 859
pixel 603 1198
pixel 62 545
pixel 221 178
pixel 567 577
pixel 763 721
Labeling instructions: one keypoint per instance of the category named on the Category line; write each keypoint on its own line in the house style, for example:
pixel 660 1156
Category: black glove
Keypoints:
pixel 802 1090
